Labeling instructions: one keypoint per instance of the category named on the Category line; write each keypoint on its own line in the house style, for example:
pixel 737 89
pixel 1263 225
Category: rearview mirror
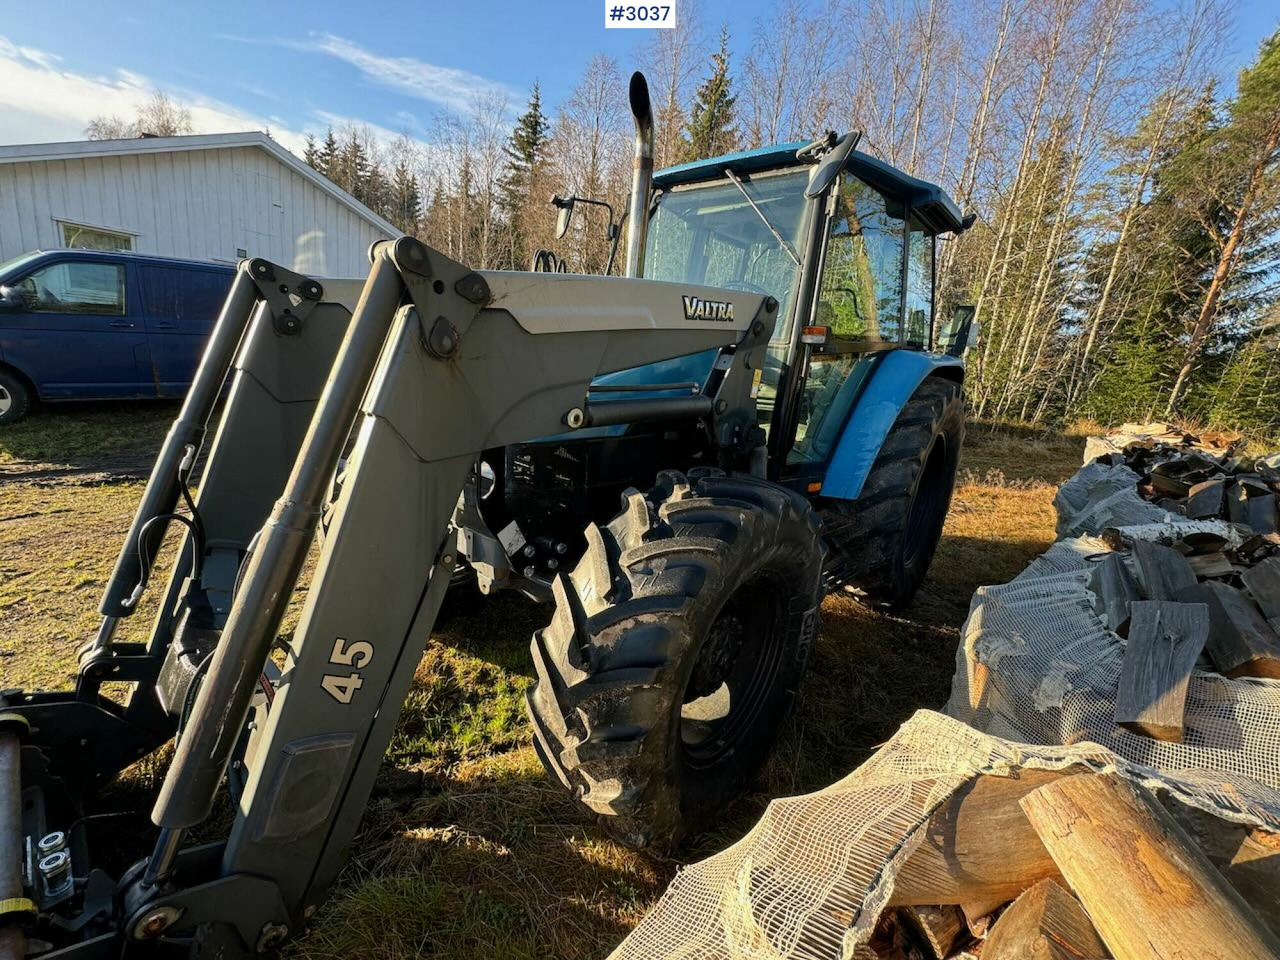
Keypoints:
pixel 566 213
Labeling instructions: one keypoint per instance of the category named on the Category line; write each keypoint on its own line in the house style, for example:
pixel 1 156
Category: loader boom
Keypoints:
pixel 436 364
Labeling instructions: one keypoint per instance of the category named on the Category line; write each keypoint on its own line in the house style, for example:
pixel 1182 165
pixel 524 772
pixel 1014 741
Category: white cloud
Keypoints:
pixel 42 102
pixel 448 87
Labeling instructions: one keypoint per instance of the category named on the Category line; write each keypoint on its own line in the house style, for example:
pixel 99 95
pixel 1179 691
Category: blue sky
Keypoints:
pixel 305 64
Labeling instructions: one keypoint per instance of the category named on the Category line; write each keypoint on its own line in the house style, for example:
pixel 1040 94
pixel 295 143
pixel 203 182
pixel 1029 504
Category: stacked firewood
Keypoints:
pixel 1200 594
pixel 1070 864
pixel 1199 480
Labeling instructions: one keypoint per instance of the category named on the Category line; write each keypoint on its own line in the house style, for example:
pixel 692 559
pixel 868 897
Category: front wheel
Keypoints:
pixel 15 398
pixel 881 544
pixel 676 650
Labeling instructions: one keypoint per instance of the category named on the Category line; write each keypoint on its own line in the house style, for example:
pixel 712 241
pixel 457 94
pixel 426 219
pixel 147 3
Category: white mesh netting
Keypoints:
pixel 1035 666
pixel 811 878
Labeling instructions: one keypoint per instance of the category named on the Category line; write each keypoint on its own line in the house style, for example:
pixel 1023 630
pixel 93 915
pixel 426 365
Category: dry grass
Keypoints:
pixel 469 850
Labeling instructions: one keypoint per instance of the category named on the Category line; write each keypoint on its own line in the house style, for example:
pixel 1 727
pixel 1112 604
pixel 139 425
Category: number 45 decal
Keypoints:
pixel 357 654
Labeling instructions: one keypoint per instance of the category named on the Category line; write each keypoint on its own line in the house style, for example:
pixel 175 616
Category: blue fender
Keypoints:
pixel 889 387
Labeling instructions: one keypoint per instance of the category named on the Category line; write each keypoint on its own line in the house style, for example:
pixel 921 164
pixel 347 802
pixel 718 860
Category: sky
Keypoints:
pixel 390 64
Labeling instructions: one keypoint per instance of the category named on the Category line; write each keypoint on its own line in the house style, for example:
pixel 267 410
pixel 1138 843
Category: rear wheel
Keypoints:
pixel 676 650
pixel 881 544
pixel 15 397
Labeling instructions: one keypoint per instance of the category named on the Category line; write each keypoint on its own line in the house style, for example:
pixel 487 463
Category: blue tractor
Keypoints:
pixel 682 461
pixel 683 623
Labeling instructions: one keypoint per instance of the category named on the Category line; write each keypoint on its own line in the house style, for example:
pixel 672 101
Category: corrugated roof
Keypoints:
pixel 82 149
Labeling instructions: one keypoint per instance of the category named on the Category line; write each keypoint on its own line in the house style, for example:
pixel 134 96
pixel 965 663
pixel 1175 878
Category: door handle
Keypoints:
pixel 164 324
pixel 122 323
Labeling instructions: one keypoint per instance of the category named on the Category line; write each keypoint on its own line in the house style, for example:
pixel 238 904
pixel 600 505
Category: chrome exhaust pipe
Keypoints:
pixel 641 175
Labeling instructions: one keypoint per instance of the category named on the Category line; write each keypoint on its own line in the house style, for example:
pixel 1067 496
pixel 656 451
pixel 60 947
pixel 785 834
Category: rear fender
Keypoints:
pixel 887 391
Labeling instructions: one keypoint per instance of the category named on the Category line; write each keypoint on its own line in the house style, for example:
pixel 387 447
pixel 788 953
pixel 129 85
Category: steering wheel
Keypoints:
pixel 747 286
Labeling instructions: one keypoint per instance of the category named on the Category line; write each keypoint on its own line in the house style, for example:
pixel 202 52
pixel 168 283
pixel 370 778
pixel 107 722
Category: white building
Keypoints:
pixel 220 197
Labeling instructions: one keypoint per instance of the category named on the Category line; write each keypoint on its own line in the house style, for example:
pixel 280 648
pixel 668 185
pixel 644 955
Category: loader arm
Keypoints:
pixel 436 364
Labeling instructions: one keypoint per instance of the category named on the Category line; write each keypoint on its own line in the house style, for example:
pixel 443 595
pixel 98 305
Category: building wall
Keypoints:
pixel 197 204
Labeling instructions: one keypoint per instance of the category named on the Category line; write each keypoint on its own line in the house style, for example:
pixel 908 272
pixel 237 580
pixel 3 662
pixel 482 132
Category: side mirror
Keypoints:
pixel 565 215
pixel 12 299
pixel 960 332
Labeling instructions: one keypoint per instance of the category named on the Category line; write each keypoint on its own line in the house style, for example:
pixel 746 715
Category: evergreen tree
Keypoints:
pixel 712 126
pixel 405 199
pixel 311 155
pixel 524 151
pixel 352 167
pixel 327 161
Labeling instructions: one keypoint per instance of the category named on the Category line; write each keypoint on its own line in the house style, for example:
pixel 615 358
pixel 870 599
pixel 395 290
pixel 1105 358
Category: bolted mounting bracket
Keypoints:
pixel 290 296
pixel 446 295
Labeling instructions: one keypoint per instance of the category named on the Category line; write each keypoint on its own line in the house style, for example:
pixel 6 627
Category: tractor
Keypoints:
pixel 680 461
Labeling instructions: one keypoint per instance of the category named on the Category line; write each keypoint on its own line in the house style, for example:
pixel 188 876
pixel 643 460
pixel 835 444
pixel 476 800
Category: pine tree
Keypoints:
pixel 327 161
pixel 405 199
pixel 352 173
pixel 712 126
pixel 524 151
pixel 1237 164
pixel 311 155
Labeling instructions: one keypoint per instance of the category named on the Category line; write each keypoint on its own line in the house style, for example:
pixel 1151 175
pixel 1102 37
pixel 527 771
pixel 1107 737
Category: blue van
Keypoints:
pixel 99 325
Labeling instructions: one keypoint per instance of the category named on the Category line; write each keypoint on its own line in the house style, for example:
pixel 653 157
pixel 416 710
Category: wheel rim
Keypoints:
pixel 734 674
pixel 6 400
pixel 927 504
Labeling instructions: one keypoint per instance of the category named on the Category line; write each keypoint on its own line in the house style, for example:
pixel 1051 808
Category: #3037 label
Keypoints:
pixel 635 15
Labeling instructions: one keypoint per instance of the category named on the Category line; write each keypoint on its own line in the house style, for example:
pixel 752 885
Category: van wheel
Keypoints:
pixel 15 398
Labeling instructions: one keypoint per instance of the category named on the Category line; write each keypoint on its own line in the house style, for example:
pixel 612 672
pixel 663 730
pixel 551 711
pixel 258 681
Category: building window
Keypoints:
pixel 77 237
pixel 83 288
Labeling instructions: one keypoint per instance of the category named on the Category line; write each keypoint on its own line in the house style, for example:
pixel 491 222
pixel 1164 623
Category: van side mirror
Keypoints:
pixel 12 299
pixel 961 332
pixel 566 214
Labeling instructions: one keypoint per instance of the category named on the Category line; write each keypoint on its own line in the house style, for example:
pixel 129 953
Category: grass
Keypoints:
pixel 468 848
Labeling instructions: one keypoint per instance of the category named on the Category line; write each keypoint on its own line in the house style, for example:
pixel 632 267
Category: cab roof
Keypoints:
pixel 927 201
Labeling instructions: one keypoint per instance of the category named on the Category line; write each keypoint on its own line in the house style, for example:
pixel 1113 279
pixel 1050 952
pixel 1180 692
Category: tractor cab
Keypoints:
pixel 845 244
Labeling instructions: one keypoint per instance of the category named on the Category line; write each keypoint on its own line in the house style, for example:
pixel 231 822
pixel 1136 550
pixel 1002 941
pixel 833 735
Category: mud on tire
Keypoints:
pixel 880 545
pixel 676 650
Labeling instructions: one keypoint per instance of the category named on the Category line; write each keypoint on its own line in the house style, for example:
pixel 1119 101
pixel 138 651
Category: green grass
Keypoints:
pixel 468 849
pixel 87 434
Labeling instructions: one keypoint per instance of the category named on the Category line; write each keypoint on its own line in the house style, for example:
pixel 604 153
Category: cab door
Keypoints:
pixel 75 335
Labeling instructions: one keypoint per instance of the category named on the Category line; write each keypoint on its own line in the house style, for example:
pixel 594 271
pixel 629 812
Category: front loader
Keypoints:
pixel 681 460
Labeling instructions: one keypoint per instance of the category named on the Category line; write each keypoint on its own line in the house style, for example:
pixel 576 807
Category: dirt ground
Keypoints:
pixel 469 849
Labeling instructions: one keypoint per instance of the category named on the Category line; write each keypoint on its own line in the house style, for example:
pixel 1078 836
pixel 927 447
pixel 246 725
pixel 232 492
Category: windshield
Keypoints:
pixel 712 234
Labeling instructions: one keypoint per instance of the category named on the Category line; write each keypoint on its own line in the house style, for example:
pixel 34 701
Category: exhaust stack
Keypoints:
pixel 641 175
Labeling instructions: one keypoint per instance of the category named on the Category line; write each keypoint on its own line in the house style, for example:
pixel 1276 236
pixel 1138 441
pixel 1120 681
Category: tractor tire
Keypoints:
pixel 463 597
pixel 15 397
pixel 676 650
pixel 880 545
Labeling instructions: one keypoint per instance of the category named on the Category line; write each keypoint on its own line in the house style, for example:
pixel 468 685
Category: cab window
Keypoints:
pixel 82 288
pixel 920 253
pixel 861 292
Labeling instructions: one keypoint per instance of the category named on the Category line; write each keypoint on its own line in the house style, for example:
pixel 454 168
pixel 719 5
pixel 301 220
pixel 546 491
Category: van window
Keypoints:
pixel 172 293
pixel 90 288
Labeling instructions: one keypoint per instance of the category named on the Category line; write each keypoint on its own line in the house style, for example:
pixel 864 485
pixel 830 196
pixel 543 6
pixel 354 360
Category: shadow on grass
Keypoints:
pixel 101 437
pixel 490 860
